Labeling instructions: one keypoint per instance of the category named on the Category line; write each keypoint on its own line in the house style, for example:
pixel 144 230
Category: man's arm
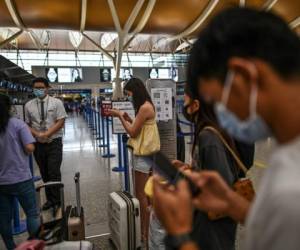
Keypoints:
pixel 56 127
pixel 33 131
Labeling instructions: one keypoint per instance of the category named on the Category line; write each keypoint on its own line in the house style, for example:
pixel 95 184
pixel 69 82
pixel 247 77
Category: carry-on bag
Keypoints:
pixel 75 216
pixel 124 221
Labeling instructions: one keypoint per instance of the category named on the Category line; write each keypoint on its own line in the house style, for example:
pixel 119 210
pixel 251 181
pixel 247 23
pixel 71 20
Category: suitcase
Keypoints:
pixel 124 221
pixel 75 216
pixel 72 245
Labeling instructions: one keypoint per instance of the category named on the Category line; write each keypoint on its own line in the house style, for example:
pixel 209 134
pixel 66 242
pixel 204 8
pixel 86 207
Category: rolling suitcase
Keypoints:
pixel 75 216
pixel 124 221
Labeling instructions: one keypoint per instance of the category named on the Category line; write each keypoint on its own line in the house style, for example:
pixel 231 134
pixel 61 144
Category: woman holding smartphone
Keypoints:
pixel 144 139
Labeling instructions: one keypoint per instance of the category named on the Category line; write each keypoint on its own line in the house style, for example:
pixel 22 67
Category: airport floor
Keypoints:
pixel 81 153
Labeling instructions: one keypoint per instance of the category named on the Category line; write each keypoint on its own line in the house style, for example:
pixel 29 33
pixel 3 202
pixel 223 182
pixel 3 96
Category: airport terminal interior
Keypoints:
pixel 87 51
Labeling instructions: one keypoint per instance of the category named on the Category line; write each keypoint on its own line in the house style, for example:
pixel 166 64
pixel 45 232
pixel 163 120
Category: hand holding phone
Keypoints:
pixel 163 166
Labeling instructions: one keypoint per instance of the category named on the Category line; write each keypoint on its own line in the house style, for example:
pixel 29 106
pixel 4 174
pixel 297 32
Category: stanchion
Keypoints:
pixel 94 122
pixel 100 137
pixel 35 178
pixel 19 226
pixel 90 118
pixel 120 167
pixel 192 134
pixel 108 154
pixel 103 145
pixel 125 162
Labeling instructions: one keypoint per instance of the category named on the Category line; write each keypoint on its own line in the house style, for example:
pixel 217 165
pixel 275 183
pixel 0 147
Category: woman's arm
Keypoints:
pixel 29 148
pixel 146 112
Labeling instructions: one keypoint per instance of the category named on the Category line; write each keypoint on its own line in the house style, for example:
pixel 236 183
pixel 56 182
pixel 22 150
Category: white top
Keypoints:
pixel 53 109
pixel 274 219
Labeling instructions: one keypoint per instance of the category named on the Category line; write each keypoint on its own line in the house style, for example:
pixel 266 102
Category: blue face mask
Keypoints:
pixel 130 98
pixel 250 130
pixel 40 93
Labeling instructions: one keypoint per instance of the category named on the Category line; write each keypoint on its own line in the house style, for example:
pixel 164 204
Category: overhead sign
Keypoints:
pixel 105 106
pixel 162 100
pixel 125 107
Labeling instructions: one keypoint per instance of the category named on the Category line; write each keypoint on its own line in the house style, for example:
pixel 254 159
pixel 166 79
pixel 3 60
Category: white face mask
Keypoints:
pixel 250 130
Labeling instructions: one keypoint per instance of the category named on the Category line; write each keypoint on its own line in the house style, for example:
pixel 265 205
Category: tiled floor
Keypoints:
pixel 81 153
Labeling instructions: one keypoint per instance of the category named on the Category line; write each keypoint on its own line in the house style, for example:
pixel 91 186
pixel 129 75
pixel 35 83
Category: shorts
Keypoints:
pixel 140 164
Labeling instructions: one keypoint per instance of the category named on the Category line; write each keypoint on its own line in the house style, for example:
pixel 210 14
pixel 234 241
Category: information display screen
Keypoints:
pixel 105 75
pixel 51 74
pixel 69 74
pixel 163 73
pixel 64 75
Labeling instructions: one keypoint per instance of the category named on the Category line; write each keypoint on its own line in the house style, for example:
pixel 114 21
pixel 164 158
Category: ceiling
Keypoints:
pixel 13 72
pixel 167 19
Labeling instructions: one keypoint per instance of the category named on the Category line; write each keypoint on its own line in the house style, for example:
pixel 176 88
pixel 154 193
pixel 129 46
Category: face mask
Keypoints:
pixel 39 93
pixel 187 115
pixel 250 130
pixel 130 98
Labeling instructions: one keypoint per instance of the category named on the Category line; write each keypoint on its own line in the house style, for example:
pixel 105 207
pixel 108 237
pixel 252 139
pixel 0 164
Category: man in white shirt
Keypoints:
pixel 247 64
pixel 45 116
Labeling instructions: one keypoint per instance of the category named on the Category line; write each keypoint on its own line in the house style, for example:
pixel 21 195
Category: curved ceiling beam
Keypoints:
pixel 269 4
pixel 142 22
pixel 209 8
pixel 114 15
pixel 242 3
pixel 14 14
pixel 102 50
pixel 295 23
pixel 83 15
pixel 11 38
pixel 19 23
pixel 122 33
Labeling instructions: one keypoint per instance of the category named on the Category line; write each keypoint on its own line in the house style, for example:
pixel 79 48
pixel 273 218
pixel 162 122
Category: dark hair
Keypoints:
pixel 246 33
pixel 5 106
pixel 41 79
pixel 206 117
pixel 140 94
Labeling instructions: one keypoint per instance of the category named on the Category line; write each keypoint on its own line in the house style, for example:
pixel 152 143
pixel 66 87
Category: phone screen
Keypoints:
pixel 163 166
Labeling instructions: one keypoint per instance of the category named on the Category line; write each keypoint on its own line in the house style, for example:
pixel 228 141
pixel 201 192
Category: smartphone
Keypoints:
pixel 163 166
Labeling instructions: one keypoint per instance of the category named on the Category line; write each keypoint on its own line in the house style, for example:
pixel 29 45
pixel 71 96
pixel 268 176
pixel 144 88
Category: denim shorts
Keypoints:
pixel 140 164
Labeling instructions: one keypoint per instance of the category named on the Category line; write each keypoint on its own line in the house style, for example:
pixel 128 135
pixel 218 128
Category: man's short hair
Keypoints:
pixel 246 33
pixel 41 79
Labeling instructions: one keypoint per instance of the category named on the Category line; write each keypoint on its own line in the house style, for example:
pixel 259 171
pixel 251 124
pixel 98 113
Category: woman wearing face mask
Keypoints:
pixel 16 143
pixel 144 139
pixel 208 152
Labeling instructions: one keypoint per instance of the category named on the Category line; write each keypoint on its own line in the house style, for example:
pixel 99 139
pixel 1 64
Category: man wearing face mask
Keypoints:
pixel 45 116
pixel 254 81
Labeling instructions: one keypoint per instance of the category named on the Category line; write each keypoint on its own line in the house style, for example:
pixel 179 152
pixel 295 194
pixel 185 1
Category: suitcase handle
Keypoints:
pixel 54 184
pixel 78 200
pixel 50 184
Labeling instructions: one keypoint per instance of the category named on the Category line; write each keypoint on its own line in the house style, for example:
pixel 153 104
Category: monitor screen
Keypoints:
pixel 69 74
pixel 105 75
pixel 51 74
pixel 163 73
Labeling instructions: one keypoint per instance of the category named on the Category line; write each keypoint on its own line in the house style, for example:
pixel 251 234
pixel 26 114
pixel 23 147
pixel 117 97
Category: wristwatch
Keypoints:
pixel 176 241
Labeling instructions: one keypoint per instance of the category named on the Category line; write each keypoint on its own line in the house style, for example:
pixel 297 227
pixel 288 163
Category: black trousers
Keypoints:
pixel 49 158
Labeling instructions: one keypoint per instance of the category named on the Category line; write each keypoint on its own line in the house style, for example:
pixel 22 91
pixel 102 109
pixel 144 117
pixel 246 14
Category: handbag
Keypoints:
pixel 242 186
pixel 147 142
